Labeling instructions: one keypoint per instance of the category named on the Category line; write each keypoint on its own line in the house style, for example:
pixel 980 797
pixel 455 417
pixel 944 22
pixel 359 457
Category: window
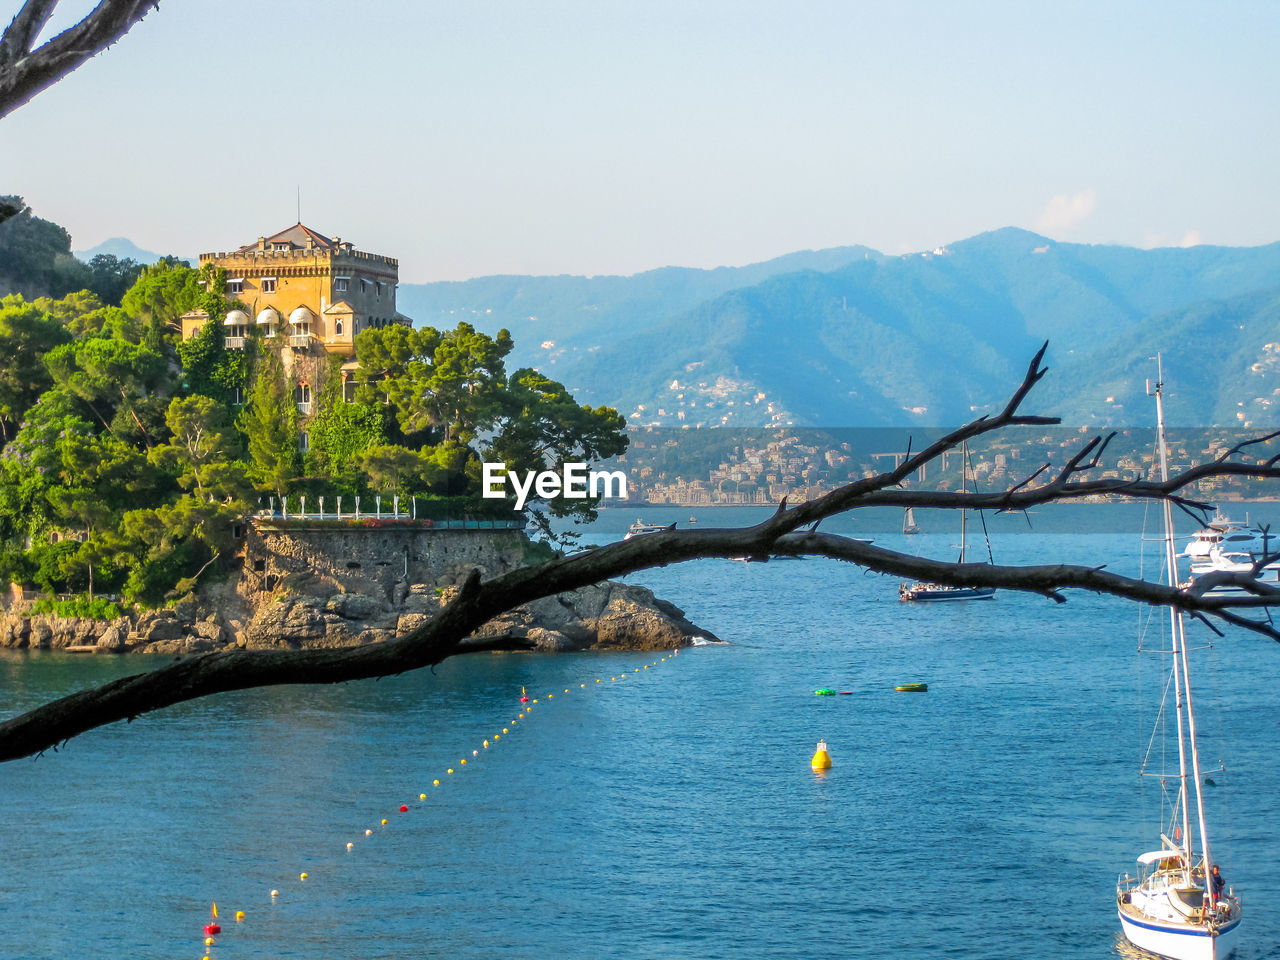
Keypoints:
pixel 268 284
pixel 237 395
pixel 195 332
pixel 304 441
pixel 340 284
pixel 236 285
pixel 378 289
pixel 302 393
pixel 364 285
pixel 337 328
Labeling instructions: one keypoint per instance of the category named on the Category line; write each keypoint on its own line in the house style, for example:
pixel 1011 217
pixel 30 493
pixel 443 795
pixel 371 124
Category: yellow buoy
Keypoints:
pixel 435 783
pixel 239 916
pixel 463 760
pixel 450 770
pixel 486 744
pixel 350 844
pixel 209 941
pixel 422 796
pixel 384 821
pixel 821 759
pixel 303 876
pixel 275 893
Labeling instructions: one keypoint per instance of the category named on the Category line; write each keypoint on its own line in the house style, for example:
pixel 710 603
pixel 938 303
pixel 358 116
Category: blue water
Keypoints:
pixel 668 814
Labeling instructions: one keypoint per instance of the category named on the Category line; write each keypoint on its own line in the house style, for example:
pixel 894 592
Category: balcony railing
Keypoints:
pixel 300 340
pixel 234 343
pixel 304 407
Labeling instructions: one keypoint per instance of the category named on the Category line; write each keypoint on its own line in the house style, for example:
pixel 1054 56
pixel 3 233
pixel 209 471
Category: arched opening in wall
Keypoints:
pixel 259 566
pixel 272 581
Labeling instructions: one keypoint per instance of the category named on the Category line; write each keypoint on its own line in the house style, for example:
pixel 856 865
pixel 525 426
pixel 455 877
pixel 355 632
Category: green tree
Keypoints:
pixel 269 422
pixel 202 448
pixel 542 428
pixel 110 277
pixel 449 384
pixel 124 385
pixel 27 333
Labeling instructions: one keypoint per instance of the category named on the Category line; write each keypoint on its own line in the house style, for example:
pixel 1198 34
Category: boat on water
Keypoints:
pixel 942 592
pixel 639 528
pixel 909 522
pixel 1177 905
pixel 1226 546
pixel 1222 533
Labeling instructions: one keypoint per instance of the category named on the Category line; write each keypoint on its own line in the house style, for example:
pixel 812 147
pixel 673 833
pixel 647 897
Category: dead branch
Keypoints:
pixel 25 72
pixel 477 602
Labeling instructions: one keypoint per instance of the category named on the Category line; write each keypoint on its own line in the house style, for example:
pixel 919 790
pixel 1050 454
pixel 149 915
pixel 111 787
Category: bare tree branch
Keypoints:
pixel 25 72
pixel 476 603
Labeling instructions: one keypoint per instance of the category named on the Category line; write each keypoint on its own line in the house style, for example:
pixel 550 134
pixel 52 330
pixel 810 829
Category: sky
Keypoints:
pixel 477 138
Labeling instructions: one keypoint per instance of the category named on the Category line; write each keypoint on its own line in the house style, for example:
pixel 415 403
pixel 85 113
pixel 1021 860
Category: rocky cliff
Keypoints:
pixel 604 616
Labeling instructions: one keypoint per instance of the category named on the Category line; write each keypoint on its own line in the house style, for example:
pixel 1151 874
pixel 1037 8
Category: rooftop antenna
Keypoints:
pixel 299 203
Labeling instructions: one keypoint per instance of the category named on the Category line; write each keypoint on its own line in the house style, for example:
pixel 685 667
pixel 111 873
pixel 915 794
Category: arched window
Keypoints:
pixel 337 328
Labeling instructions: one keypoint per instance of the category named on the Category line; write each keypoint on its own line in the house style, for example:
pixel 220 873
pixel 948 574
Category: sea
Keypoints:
pixel 662 804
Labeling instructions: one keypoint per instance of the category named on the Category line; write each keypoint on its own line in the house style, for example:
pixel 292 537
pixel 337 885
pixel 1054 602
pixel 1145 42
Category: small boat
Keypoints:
pixel 912 688
pixel 924 591
pixel 909 522
pixel 639 528
pixel 1178 905
pixel 941 591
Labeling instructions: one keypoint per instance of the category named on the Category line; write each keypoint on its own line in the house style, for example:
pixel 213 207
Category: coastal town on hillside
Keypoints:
pixel 726 467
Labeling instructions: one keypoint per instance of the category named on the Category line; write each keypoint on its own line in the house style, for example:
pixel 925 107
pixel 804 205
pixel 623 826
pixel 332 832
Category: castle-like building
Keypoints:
pixel 314 292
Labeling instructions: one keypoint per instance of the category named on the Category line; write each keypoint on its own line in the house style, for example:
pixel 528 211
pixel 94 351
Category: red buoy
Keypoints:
pixel 210 929
pixel 404 808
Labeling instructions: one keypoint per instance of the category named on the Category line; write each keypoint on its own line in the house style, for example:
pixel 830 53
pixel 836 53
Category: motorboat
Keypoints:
pixel 639 528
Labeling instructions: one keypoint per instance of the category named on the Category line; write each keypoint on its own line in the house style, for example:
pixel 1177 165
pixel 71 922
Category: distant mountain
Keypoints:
pixel 124 248
pixel 851 337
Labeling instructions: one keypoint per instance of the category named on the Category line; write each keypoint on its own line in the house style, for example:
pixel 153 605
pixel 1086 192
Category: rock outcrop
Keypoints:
pixel 608 615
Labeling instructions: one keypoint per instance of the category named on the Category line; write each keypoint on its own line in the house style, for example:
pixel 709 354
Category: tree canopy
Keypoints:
pixel 132 453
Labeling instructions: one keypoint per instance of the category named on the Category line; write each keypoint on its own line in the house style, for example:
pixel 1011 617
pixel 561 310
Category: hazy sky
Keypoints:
pixel 473 138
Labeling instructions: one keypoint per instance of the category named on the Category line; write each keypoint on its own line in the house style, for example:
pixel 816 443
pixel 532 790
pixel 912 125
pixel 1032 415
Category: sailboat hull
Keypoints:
pixel 932 593
pixel 1180 941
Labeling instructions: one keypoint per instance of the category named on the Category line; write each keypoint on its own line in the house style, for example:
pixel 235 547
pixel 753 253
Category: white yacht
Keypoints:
pixel 640 527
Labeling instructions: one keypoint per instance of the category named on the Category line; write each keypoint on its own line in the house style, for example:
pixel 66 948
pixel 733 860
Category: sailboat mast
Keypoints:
pixel 1176 632
pixel 964 515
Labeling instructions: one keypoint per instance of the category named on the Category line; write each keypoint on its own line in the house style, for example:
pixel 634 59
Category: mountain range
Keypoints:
pixel 853 337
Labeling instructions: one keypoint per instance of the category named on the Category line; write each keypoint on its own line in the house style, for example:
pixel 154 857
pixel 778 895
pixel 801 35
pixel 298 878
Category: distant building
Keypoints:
pixel 312 292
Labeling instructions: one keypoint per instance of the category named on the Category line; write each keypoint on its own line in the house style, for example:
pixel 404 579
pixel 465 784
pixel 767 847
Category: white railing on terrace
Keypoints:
pixel 234 343
pixel 300 340
pixel 397 514
pixel 304 408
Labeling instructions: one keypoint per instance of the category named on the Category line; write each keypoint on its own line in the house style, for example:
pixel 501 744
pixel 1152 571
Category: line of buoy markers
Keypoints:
pixel 212 929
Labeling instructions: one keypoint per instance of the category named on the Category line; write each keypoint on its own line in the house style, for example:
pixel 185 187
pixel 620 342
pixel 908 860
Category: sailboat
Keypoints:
pixel 1178 906
pixel 942 591
pixel 909 521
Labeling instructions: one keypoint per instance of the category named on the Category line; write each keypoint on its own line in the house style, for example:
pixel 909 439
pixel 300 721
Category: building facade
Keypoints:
pixel 312 292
